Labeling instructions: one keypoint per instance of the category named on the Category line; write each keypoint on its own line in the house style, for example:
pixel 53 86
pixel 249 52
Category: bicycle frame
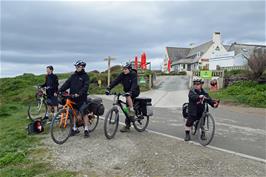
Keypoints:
pixel 120 103
pixel 69 107
pixel 206 110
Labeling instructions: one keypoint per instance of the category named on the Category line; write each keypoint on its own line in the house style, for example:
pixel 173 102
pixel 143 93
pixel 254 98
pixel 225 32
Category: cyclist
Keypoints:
pixel 51 84
pixel 78 83
pixel 196 105
pixel 129 79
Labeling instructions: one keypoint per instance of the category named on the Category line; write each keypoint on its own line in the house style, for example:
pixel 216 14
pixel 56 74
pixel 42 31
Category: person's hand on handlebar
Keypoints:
pixel 76 95
pixel 216 104
pixel 202 97
pixel 107 91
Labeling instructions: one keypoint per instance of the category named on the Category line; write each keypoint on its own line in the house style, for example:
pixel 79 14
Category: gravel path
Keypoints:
pixel 145 154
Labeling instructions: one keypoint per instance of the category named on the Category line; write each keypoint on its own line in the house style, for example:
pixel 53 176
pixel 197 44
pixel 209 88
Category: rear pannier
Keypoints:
pixel 144 105
pixel 96 106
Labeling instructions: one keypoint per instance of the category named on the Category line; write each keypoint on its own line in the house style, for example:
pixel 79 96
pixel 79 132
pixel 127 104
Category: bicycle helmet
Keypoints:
pixel 127 65
pixel 80 63
pixel 198 79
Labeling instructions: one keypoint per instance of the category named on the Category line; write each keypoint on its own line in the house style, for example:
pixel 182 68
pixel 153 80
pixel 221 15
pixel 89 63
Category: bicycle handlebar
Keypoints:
pixel 120 94
pixel 67 95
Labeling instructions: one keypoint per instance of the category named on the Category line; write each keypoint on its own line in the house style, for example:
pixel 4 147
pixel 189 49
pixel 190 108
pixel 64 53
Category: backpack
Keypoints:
pixel 185 110
pixel 35 127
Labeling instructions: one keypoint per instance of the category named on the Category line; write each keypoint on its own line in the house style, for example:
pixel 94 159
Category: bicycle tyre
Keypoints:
pixel 67 130
pixel 209 120
pixel 92 128
pixel 39 115
pixel 111 119
pixel 135 124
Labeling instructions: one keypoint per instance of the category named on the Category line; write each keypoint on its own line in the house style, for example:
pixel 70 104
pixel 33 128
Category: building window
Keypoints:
pixel 217 48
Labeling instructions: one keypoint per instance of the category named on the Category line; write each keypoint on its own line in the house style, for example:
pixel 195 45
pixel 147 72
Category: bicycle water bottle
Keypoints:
pixel 125 109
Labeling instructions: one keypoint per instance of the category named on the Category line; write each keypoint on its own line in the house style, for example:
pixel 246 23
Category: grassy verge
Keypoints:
pixel 21 154
pixel 244 92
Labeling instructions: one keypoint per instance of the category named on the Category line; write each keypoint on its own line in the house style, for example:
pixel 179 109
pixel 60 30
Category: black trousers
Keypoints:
pixel 192 118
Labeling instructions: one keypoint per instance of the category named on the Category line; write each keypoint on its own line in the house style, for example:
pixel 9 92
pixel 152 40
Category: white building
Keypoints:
pixel 210 55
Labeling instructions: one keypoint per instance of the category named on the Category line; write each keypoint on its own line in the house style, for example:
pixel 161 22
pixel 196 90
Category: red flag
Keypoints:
pixel 136 62
pixel 169 65
pixel 143 61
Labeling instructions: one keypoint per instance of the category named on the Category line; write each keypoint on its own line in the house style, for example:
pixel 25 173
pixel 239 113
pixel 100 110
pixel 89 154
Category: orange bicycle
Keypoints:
pixel 62 122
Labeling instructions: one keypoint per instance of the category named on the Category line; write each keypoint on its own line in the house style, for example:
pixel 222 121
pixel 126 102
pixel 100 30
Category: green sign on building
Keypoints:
pixel 206 74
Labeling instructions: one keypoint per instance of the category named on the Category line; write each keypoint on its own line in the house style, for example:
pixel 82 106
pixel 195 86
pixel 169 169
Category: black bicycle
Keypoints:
pixel 38 108
pixel 142 108
pixel 205 126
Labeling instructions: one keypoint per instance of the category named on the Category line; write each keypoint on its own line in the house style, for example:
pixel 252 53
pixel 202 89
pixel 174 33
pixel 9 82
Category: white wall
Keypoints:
pixel 240 60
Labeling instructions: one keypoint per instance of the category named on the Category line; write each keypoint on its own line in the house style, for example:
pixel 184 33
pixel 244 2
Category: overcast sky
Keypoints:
pixel 37 34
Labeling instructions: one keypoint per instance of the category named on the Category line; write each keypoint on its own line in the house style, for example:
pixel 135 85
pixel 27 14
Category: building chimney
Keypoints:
pixel 216 37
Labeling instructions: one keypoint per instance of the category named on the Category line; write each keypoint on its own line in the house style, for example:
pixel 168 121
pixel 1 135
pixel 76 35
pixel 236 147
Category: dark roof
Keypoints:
pixel 240 48
pixel 176 53
pixel 227 47
pixel 186 61
pixel 201 48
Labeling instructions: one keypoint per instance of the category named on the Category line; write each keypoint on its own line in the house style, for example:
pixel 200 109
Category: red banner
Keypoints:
pixel 169 65
pixel 143 61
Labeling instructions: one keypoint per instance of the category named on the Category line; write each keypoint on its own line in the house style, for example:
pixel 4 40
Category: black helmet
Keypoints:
pixel 127 65
pixel 80 63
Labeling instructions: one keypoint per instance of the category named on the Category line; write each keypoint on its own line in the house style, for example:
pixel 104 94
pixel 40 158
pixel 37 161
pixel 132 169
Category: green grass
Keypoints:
pixel 244 92
pixel 17 148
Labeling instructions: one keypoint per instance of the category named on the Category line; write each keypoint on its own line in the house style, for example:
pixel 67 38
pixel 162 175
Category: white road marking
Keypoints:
pixel 248 129
pixel 209 146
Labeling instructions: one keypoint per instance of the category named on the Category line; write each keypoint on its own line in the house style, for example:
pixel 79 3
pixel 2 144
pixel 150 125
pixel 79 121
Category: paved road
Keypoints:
pixel 237 129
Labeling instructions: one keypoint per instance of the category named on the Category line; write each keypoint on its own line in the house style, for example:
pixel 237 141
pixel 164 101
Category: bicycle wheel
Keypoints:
pixel 93 122
pixel 141 123
pixel 61 126
pixel 111 122
pixel 207 127
pixel 37 109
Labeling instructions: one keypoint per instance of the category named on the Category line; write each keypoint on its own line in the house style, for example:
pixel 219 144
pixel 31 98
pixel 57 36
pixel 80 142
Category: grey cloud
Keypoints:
pixel 59 32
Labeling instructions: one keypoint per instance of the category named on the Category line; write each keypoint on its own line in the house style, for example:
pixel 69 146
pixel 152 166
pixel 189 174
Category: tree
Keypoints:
pixel 257 64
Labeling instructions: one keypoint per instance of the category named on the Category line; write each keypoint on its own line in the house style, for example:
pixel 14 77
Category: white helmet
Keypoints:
pixel 198 79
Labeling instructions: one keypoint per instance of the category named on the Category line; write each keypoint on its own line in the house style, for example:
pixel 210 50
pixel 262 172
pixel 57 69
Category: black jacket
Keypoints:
pixel 129 82
pixel 51 82
pixel 78 83
pixel 194 107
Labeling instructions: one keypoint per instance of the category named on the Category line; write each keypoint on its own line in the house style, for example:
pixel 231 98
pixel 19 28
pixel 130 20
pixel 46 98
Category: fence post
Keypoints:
pixel 150 82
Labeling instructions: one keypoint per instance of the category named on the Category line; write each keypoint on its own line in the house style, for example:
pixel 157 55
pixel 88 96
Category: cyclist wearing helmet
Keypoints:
pixel 78 83
pixel 196 106
pixel 51 84
pixel 129 79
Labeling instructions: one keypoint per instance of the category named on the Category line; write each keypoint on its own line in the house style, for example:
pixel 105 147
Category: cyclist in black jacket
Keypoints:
pixel 129 79
pixel 51 84
pixel 196 105
pixel 78 83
